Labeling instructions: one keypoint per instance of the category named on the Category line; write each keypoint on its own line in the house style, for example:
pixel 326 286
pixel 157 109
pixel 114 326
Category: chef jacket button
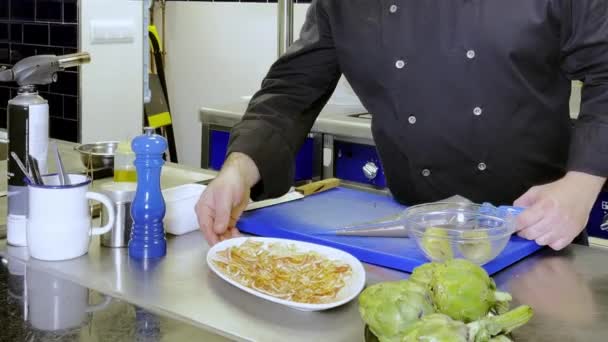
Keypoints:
pixel 399 64
pixel 477 111
pixel 393 8
pixel 482 166
pixel 471 54
pixel 411 119
pixel 426 172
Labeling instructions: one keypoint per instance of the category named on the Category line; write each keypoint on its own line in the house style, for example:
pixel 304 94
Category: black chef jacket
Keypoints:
pixel 468 97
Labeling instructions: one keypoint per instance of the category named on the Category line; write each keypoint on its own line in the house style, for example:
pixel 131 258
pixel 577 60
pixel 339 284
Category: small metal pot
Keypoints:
pixel 97 156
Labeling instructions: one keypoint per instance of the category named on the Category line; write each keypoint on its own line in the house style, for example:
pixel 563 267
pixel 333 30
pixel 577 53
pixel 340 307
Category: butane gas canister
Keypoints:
pixel 28 134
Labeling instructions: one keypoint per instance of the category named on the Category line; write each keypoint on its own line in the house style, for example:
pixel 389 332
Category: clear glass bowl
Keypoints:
pixel 443 231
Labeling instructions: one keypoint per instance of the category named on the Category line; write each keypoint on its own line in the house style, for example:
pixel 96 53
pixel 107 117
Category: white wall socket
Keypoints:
pixel 112 32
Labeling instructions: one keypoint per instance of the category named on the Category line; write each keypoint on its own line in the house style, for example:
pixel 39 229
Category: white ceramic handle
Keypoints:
pixel 104 304
pixel 105 200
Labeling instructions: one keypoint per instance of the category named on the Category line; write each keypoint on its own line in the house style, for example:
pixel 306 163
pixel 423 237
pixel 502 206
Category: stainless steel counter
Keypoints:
pixel 337 120
pixel 38 306
pixel 568 290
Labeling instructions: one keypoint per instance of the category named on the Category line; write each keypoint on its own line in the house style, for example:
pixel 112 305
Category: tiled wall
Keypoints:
pixel 34 27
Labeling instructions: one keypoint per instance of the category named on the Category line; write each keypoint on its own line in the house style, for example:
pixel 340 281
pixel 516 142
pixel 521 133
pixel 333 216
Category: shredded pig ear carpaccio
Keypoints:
pixel 281 271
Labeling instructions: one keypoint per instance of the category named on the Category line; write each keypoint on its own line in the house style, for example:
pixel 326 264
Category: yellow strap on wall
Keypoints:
pixel 154 31
pixel 159 120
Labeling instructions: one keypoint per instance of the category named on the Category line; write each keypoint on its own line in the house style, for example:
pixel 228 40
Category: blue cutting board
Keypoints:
pixel 308 218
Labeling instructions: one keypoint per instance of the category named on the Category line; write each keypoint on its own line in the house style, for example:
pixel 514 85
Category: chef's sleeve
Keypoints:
pixel 584 56
pixel 281 114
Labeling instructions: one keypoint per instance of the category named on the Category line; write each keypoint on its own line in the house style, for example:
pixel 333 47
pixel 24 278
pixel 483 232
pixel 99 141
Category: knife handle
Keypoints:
pixel 35 170
pixel 319 186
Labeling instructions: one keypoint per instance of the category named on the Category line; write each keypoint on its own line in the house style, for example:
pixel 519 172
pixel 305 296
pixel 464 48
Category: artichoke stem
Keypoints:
pixel 502 296
pixel 502 302
pixel 511 320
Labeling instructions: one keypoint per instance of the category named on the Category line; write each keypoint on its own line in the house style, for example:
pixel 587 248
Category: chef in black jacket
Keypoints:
pixel 468 97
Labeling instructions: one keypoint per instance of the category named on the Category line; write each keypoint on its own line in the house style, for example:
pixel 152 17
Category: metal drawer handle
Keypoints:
pixel 370 170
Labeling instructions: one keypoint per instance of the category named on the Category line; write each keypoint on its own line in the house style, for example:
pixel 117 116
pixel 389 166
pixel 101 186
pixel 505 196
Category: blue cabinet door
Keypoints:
pixel 350 158
pixel 218 146
pixel 305 161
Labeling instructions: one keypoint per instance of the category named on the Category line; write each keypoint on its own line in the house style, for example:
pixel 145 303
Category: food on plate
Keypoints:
pixel 464 291
pixel 436 244
pixel 441 302
pixel 442 328
pixel 281 270
pixel 391 307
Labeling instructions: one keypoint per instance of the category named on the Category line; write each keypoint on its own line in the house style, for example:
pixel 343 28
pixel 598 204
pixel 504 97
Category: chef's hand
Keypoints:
pixel 226 197
pixel 557 212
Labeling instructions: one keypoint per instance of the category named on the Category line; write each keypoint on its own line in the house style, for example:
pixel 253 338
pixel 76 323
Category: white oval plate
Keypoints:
pixel 354 285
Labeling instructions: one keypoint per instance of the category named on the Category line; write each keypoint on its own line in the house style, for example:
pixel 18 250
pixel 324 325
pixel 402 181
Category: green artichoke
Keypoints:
pixel 423 274
pixel 441 328
pixel 465 292
pixel 389 308
pixel 436 328
pixel 436 244
pixel 479 250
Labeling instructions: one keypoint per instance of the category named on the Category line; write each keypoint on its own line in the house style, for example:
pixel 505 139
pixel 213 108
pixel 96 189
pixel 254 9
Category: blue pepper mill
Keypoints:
pixel 148 207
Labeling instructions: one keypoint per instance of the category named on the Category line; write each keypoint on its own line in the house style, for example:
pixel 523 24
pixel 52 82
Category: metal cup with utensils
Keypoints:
pixel 122 195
